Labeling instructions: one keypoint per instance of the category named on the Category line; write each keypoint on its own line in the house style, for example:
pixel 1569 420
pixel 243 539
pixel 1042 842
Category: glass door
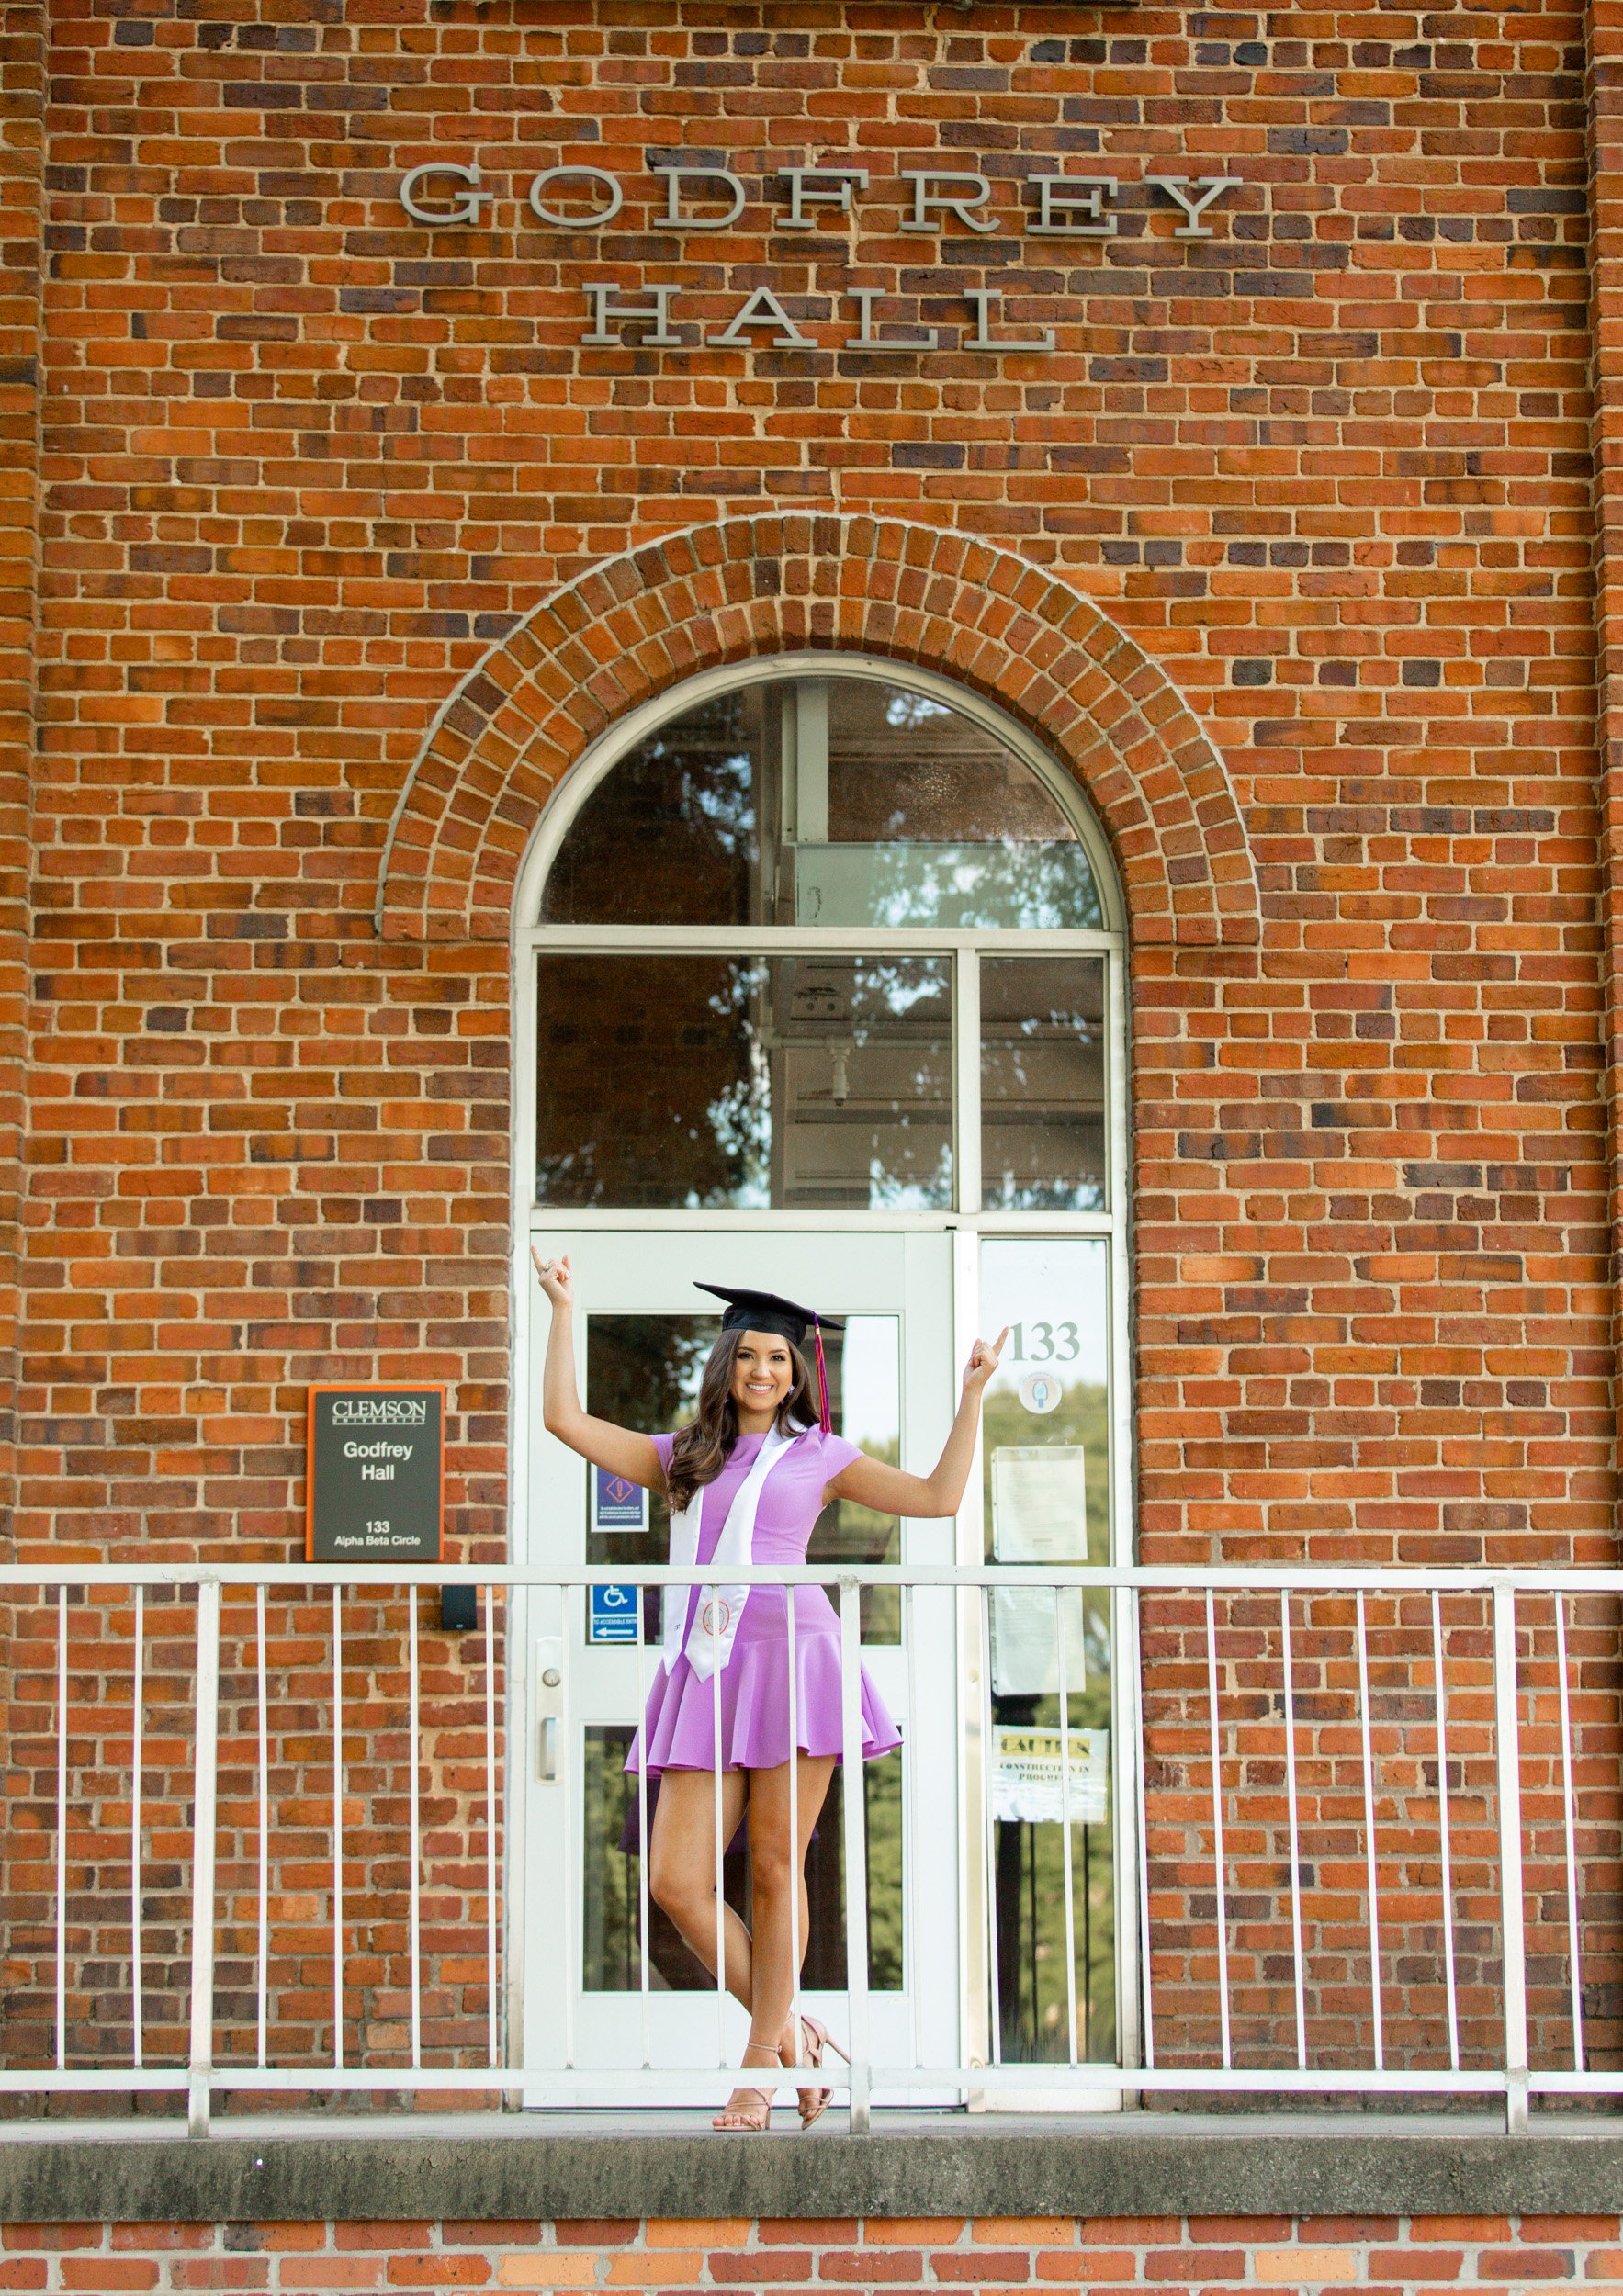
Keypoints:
pixel 592 1999
pixel 1052 1706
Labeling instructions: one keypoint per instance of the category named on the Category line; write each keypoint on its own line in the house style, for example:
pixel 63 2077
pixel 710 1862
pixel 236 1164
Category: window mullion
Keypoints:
pixel 1115 1065
pixel 811 760
pixel 966 1078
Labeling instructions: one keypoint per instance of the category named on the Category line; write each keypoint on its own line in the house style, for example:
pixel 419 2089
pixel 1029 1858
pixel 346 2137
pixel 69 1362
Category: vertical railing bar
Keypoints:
pixel 138 1701
pixel 1087 2041
pixel 1028 1881
pixel 492 2031
pixel 1295 1839
pixel 644 1966
pixel 989 1823
pixel 204 1790
pixel 574 1607
pixel 1512 1912
pixel 715 1594
pixel 856 1852
pixel 1067 1861
pixel 61 1827
pixel 60 1858
pixel 1142 1750
pixel 337 1832
pixel 1367 1742
pixel 1087 1942
pixel 910 1973
pixel 1444 1832
pixel 1576 1977
pixel 262 1947
pixel 414 1735
pixel 792 1626
pixel 1222 1915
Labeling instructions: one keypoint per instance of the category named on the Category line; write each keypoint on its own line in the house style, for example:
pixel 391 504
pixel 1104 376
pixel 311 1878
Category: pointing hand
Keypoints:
pixel 984 1359
pixel 556 1279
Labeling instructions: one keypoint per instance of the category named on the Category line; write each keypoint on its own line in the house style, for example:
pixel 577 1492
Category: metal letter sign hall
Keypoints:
pixel 374 1487
pixel 456 196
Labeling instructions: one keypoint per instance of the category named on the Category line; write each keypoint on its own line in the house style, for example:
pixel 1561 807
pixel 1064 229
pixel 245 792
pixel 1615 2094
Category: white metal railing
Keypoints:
pixel 1201 1721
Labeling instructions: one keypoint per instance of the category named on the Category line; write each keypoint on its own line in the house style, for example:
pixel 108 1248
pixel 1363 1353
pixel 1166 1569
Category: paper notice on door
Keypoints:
pixel 1029 1784
pixel 1025 1641
pixel 1039 1504
pixel 1039 1516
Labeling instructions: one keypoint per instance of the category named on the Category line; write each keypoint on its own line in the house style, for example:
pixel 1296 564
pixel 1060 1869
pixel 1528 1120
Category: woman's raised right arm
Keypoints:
pixel 619 1449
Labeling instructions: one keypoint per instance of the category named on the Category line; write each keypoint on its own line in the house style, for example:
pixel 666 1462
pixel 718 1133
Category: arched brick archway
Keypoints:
pixel 636 625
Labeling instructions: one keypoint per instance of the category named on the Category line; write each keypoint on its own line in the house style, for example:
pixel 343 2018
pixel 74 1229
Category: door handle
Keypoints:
pixel 549 1706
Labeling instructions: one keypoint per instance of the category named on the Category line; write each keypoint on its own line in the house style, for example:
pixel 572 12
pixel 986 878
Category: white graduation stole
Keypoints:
pixel 715 1624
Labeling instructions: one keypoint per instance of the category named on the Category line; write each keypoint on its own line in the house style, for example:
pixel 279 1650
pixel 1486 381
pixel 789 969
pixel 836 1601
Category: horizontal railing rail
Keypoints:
pixel 1158 1579
pixel 1435 1782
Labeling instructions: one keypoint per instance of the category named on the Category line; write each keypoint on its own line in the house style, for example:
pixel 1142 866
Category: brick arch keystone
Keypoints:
pixel 633 626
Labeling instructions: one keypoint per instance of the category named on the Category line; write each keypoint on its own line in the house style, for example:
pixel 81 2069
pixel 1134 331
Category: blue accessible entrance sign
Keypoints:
pixel 613 1617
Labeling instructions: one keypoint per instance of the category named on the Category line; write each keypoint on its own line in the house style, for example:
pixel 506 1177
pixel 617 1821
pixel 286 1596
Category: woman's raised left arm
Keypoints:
pixel 890 1492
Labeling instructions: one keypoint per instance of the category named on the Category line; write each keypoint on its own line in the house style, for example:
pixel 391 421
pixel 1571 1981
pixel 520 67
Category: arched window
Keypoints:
pixel 797 893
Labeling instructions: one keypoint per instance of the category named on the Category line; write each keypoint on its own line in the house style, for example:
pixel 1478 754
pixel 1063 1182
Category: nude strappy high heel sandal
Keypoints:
pixel 751 2118
pixel 814 2103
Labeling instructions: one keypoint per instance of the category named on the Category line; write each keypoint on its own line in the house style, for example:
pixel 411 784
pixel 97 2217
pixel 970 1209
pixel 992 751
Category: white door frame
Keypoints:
pixel 1115 1224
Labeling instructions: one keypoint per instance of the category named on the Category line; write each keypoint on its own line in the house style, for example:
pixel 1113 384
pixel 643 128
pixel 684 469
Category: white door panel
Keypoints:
pixel 585 2002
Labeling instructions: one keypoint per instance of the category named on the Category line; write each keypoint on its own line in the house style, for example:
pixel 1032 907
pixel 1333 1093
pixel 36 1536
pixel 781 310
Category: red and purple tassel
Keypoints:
pixel 828 1422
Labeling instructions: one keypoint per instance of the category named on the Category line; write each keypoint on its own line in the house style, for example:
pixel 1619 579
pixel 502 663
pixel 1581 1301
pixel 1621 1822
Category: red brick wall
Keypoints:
pixel 1330 472
pixel 22 205
pixel 1405 2257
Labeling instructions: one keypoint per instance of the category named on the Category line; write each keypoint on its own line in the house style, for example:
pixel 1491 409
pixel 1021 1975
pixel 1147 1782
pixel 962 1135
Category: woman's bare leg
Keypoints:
pixel 777 1877
pixel 681 1866
pixel 681 1882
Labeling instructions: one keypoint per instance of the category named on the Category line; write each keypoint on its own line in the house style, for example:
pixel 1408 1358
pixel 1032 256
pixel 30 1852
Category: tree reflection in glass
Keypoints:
pixel 1043 1084
pixel 879 805
pixel 695 1081
pixel 673 834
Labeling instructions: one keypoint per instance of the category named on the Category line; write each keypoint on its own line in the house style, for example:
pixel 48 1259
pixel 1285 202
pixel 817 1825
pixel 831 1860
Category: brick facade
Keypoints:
pixel 336 548
pixel 1401 2255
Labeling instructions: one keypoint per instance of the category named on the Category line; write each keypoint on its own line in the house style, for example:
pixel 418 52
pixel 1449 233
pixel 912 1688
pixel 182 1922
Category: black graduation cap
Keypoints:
pixel 765 1312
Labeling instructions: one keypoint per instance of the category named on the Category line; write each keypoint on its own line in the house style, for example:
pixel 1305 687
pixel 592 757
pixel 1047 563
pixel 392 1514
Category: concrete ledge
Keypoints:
pixel 950 2165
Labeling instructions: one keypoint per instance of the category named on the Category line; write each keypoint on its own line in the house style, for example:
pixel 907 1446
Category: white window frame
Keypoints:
pixel 968 1224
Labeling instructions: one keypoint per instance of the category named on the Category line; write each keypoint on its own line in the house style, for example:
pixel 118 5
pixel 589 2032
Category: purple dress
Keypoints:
pixel 678 1727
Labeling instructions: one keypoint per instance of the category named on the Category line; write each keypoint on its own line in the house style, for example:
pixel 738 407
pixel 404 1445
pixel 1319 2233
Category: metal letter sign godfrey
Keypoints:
pixel 375 1485
pixel 452 195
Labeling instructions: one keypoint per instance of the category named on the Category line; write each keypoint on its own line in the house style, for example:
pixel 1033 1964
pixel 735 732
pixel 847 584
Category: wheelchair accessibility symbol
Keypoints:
pixel 612 1615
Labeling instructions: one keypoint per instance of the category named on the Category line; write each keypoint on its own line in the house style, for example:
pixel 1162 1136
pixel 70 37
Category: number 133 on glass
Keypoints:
pixel 1045 1343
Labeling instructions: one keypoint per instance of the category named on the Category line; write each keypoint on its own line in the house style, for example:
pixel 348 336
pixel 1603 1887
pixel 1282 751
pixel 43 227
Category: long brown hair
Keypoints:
pixel 699 1453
